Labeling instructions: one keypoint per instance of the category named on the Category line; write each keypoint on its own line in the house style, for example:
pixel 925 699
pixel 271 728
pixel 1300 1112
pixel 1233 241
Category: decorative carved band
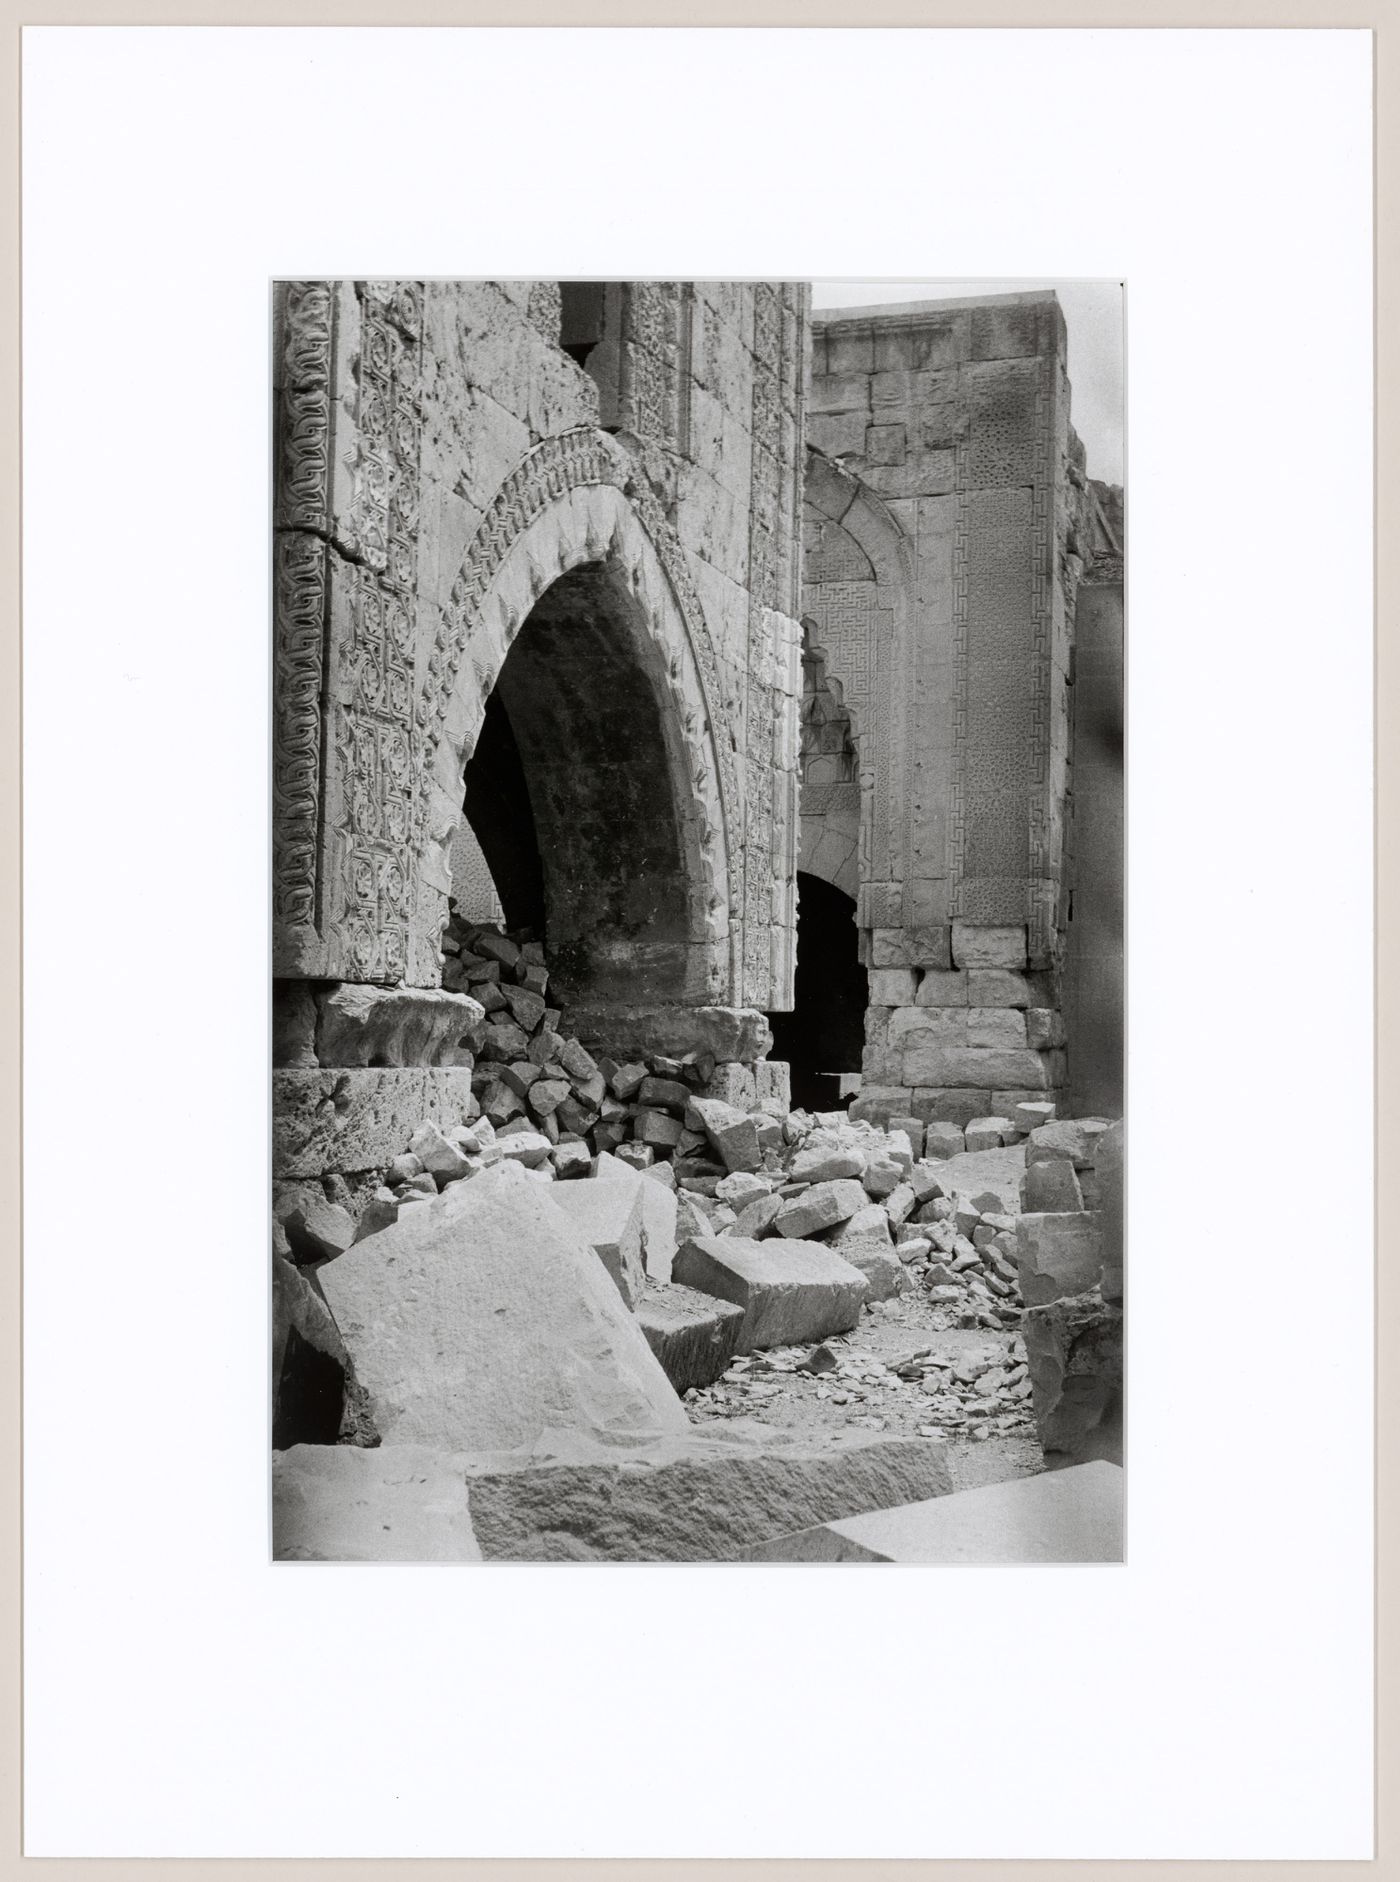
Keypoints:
pixel 304 404
pixel 299 624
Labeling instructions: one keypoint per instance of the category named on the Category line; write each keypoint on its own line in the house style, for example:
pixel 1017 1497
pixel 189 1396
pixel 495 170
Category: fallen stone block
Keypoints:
pixel 870 1224
pixel 913 1129
pixel 572 1160
pixel 316 1229
pixel 881 1266
pixel 820 1207
pixel 658 1205
pixel 380 1212
pixel 791 1291
pixel 608 1216
pixel 692 1334
pixel 399 1503
pixel 987 1133
pixel 1074 1349
pixel 1057 1255
pixel 481 1318
pixel 1071 1515
pixel 733 1133
pixel 1030 1115
pixel 701 1496
pixel 881 1175
pixel 899 1204
pixel 728 1032
pixel 443 1159
pixel 384 1026
pixel 942 1141
pixel 742 1187
pixel 1051 1188
pixel 1064 1138
pixel 828 1163
pixel 772 1087
pixel 755 1220
pixel 524 1146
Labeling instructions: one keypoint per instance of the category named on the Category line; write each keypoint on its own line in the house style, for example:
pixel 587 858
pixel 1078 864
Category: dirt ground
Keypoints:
pixel 989 1434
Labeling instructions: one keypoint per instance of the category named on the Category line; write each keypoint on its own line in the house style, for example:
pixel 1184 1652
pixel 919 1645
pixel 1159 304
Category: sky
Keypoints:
pixel 1093 313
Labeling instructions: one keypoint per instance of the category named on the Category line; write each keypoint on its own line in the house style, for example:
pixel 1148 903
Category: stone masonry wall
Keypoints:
pixel 944 522
pixel 432 442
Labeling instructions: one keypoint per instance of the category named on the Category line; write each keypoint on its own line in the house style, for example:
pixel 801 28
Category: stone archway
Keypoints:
pixel 575 554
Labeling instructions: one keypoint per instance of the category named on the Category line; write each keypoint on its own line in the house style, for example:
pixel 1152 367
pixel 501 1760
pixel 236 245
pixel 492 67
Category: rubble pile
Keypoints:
pixel 530 1076
pixel 978 1391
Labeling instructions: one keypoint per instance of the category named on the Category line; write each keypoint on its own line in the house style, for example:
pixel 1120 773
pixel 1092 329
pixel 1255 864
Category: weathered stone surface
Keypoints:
pixel 998 986
pixel 608 1216
pixel 978 946
pixel 943 1141
pixel 987 1133
pixel 316 1228
pixel 732 1132
pixel 704 1496
pixel 658 1206
pixel 773 1087
pixel 870 1224
pixel 1045 1029
pixel 1070 1515
pixel 944 990
pixel 755 1220
pixel 881 1266
pixel 820 1207
pixel 383 1026
pixel 293 1024
pixel 971 1066
pixel 827 1165
pixel 790 1291
pixel 1063 1138
pixel 1074 1349
pixel 1051 1188
pixel 1108 1167
pixel 693 1335
pixel 1057 1255
pixel 481 1318
pixel 400 1503
pixel 913 1129
pixel 444 1160
pixel 358 1119
pixel 1030 1115
pixel 893 986
pixel 996 1026
pixel 729 1032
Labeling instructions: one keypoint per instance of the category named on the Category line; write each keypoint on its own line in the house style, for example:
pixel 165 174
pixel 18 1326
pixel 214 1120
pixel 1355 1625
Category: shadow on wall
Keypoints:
pixel 824 1035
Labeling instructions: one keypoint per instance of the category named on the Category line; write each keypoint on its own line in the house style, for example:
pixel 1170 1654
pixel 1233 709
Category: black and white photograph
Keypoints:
pixel 698 857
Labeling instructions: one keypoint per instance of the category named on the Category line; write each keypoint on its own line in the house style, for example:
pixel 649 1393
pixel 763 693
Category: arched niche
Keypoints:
pixel 567 614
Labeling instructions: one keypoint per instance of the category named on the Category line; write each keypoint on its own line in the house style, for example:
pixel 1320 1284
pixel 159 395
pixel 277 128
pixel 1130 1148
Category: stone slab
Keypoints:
pixel 399 1503
pixel 730 1032
pixel 328 1122
pixel 694 1335
pixel 703 1496
pixel 1070 1515
pixel 791 1291
pixel 820 1207
pixel 608 1216
pixel 481 1319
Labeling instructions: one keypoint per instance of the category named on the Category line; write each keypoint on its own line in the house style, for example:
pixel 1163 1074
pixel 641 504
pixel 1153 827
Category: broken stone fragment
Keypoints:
pixel 527 1009
pixel 820 1207
pixel 575 1061
pixel 1057 1255
pixel 1051 1188
pixel 1074 1348
pixel 504 1041
pixel 627 1080
pixel 546 1095
pixel 882 1175
pixel 404 1167
pixel 658 1128
pixel 1073 1141
pixel 869 1224
pixel 987 1133
pixel 899 1204
pixel 571 1160
pixel 526 1147
pixel 543 1049
pixel 444 1160
pixel 316 1230
pixel 827 1164
pixel 692 1334
pixel 755 1220
pixel 521 1076
pixel 943 1141
pixel 457 1317
pixel 640 1156
pixel 882 1268
pixel 732 1132
pixel 792 1292
pixel 924 1181
pixel 658 1205
pixel 380 1212
pixel 665 1094
pixel 496 947
pixel 608 1216
pixel 576 1117
pixel 742 1187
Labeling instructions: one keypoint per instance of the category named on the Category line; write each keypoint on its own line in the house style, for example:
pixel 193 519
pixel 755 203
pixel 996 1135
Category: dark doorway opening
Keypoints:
pixel 824 1035
pixel 574 794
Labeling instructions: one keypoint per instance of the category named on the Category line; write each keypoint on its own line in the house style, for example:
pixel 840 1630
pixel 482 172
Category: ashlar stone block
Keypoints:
pixel 791 1291
pixel 975 945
